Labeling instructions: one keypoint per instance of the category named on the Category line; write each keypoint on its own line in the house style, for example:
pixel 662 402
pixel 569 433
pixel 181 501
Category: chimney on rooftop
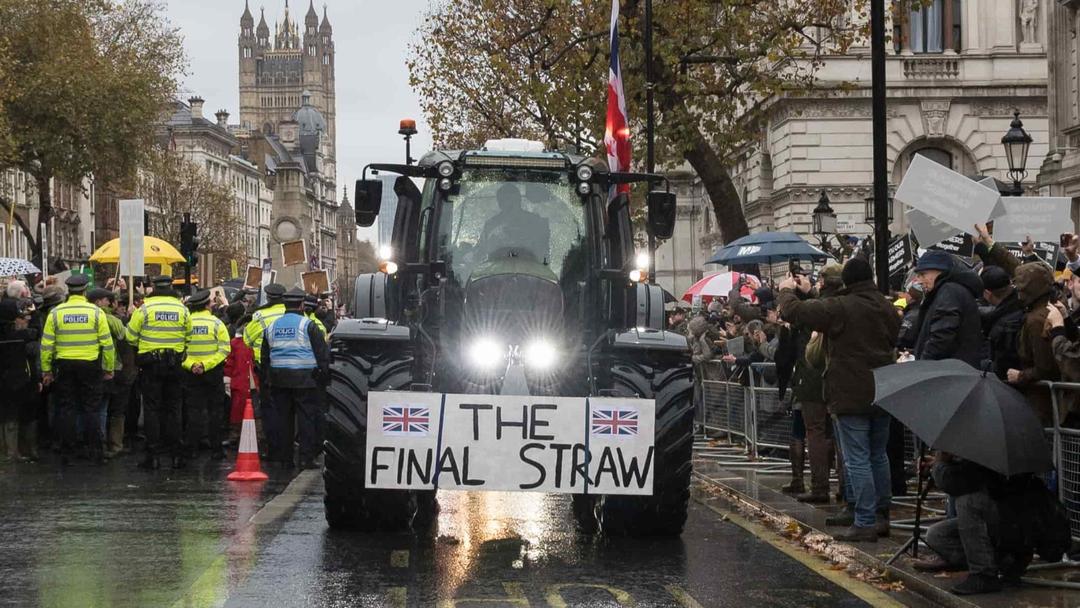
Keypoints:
pixel 222 119
pixel 196 104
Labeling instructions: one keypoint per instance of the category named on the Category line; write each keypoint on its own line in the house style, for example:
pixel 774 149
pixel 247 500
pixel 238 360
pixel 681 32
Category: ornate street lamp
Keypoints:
pixel 1017 142
pixel 824 220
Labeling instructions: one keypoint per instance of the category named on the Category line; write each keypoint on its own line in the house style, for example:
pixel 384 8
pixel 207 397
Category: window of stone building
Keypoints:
pixel 326 59
pixel 929 27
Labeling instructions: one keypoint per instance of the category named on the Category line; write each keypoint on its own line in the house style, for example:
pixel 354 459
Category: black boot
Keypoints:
pixel 150 463
pixel 977 583
pixel 798 457
pixel 858 535
pixel 846 517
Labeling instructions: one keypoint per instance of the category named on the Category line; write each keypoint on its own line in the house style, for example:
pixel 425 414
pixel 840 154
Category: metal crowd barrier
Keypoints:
pixel 745 407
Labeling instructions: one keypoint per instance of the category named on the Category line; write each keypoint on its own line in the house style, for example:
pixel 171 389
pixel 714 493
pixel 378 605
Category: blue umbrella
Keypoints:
pixel 767 248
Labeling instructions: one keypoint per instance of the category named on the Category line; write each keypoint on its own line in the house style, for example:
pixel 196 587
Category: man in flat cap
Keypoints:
pixel 295 359
pixel 160 330
pixel 77 353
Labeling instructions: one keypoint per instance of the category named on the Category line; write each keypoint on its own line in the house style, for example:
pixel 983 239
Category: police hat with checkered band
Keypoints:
pixel 77 283
pixel 199 298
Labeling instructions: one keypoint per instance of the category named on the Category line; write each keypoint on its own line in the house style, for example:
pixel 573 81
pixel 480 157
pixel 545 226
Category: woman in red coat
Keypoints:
pixel 239 375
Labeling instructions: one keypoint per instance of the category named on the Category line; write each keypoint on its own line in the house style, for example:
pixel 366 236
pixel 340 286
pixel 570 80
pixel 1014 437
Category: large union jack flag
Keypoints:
pixel 614 421
pixel 405 420
pixel 617 126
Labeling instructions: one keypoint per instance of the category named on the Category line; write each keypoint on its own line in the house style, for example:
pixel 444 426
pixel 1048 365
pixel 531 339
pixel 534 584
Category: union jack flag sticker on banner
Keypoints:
pixel 614 422
pixel 405 421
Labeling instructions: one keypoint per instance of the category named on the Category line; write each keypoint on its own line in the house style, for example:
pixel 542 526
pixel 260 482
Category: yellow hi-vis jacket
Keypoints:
pixel 209 343
pixel 260 320
pixel 311 317
pixel 77 331
pixel 161 323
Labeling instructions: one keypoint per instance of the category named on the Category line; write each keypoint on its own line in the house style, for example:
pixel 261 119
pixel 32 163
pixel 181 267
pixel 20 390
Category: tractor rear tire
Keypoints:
pixel 663 513
pixel 349 505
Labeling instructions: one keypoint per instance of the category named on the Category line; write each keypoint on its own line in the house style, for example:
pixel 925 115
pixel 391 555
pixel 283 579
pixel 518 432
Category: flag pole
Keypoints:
pixel 650 125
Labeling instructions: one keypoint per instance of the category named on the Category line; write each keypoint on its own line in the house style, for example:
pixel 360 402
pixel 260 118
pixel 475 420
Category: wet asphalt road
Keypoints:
pixel 116 536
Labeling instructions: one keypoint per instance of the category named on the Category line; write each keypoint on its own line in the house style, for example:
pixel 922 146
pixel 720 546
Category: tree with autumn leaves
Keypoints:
pixel 539 69
pixel 82 86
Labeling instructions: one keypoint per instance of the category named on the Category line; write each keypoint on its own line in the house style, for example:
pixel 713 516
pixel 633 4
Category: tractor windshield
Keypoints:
pixel 513 218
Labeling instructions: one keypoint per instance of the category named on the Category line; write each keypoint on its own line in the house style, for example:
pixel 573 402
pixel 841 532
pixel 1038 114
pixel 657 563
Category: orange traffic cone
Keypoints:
pixel 247 459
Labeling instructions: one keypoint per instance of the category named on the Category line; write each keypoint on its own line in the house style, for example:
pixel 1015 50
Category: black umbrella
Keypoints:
pixel 958 409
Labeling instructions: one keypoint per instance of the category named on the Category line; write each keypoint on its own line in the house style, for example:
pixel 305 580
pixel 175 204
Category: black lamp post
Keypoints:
pixel 824 222
pixel 1017 142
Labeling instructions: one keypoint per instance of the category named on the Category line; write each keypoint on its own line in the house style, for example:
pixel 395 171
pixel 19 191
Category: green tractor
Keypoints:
pixel 512 299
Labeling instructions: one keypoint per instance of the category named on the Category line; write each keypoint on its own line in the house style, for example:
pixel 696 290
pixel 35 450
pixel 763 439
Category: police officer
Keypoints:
pixel 159 330
pixel 204 375
pixel 261 320
pixel 311 302
pixel 77 353
pixel 294 360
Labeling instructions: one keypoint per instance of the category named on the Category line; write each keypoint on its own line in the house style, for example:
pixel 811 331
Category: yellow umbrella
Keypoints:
pixel 155 251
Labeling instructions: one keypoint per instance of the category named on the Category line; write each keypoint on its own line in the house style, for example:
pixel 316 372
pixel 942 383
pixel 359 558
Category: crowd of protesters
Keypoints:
pixel 1014 316
pixel 216 373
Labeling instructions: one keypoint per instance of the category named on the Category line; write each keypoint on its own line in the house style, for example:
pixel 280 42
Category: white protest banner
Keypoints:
pixel 928 230
pixel 999 208
pixel 946 195
pixel 510 443
pixel 1044 218
pixel 132 230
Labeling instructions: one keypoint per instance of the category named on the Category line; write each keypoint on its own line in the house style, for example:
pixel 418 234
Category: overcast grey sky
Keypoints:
pixel 370 38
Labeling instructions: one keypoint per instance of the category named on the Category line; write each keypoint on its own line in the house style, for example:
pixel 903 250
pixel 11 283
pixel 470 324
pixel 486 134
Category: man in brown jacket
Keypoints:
pixel 1034 283
pixel 861 328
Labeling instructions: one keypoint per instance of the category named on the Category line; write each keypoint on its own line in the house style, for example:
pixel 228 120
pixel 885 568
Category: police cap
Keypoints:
pixel 274 291
pixel 199 298
pixel 294 296
pixel 311 301
pixel 161 281
pixel 98 293
pixel 76 283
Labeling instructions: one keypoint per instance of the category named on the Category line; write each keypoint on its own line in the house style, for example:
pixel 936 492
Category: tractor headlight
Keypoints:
pixel 584 173
pixel 638 276
pixel 485 353
pixel 583 188
pixel 445 168
pixel 388 267
pixel 540 354
pixel 445 184
pixel 386 252
pixel 641 261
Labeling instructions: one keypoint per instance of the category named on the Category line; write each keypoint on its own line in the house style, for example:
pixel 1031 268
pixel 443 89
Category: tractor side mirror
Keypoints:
pixel 368 201
pixel 661 214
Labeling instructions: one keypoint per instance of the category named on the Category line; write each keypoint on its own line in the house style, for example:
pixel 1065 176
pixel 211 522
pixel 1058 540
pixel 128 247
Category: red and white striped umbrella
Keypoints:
pixel 721 284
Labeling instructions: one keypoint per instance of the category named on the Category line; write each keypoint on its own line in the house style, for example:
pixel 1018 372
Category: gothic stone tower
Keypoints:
pixel 274 74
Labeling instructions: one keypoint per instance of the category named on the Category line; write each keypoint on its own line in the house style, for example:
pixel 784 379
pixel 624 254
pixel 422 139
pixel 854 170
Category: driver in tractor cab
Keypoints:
pixel 513 230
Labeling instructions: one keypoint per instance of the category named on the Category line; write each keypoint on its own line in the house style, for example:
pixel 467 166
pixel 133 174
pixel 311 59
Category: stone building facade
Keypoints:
pixel 71 232
pixel 955 73
pixel 1059 174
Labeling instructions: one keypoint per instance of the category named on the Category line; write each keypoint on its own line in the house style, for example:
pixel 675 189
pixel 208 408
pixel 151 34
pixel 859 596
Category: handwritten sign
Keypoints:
pixel 132 229
pixel 1042 217
pixel 946 195
pixel 899 256
pixel 567 445
pixel 928 230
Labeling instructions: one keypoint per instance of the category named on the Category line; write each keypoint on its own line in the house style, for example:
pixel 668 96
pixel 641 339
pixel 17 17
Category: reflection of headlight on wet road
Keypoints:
pixel 540 355
pixel 485 353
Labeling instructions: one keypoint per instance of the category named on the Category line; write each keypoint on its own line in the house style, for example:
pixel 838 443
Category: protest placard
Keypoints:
pixel 510 443
pixel 316 282
pixel 899 256
pixel 929 230
pixel 1044 218
pixel 960 245
pixel 946 195
pixel 132 230
pixel 1045 251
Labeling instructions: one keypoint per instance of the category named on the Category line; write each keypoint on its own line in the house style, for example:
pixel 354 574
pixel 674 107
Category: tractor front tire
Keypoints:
pixel 663 513
pixel 349 504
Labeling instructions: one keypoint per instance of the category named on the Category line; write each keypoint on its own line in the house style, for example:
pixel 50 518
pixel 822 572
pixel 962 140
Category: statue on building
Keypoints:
pixel 1029 21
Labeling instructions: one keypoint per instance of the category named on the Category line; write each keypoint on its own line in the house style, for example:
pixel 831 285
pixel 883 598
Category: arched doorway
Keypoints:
pixel 944 152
